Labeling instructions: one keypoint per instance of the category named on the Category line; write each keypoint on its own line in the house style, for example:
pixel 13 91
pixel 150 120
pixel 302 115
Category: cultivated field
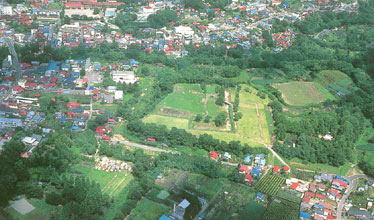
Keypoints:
pixel 110 183
pixel 335 80
pixel 282 209
pixel 270 184
pixel 303 93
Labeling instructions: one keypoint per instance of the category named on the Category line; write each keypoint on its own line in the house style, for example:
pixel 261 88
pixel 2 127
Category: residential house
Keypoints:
pixel 244 169
pixel 248 158
pixel 260 197
pixel 10 123
pixel 226 156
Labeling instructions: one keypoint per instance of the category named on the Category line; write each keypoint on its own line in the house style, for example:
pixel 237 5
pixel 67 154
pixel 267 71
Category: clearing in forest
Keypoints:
pixel 303 93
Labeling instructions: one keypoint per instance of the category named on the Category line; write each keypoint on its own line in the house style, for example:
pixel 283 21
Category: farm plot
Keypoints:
pixel 270 184
pixel 335 80
pixel 110 183
pixel 282 209
pixel 302 93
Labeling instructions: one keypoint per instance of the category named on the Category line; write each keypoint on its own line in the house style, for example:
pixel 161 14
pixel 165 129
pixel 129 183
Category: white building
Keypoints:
pixel 184 31
pixel 118 95
pixel 6 10
pixel 124 77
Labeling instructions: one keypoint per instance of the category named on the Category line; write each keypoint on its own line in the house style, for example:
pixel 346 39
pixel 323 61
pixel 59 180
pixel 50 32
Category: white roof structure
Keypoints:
pixel 185 31
pixel 184 204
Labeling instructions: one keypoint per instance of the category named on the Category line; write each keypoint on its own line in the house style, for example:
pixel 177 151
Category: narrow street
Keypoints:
pixel 351 188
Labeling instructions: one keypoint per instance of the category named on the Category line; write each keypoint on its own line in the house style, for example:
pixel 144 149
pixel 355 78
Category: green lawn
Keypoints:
pixel 302 93
pixel 41 211
pixel 148 210
pixel 169 121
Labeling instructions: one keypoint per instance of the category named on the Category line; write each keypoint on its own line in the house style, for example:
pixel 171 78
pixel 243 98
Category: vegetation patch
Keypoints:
pixel 168 121
pixel 302 93
pixel 366 147
pixel 252 211
pixel 147 209
pixel 270 184
pixel 282 209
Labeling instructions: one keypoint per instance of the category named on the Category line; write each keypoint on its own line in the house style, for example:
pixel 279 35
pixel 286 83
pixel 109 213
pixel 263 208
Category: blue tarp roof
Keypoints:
pixel 77 110
pixel 164 217
pixel 304 215
pixel 62 119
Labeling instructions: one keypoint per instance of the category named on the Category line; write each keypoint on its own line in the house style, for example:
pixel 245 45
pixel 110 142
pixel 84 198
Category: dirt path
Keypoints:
pixel 227 99
pixel 259 124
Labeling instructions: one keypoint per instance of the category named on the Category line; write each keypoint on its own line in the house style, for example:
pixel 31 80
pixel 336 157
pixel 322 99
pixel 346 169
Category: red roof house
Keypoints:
pixel 248 178
pixel 244 169
pixel 306 199
pixel 151 139
pixel 276 169
pixel 213 155
pixel 294 186
pixel 286 169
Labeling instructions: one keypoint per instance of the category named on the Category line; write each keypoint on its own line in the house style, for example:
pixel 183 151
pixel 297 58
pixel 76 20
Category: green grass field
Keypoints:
pixel 186 97
pixel 302 93
pixel 327 77
pixel 227 136
pixel 110 183
pixel 170 122
pixel 148 210
pixel 248 126
pixel 297 163
pixel 41 211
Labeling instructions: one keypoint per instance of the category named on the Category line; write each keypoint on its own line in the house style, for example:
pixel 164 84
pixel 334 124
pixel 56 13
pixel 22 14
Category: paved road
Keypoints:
pixel 351 188
pixel 16 64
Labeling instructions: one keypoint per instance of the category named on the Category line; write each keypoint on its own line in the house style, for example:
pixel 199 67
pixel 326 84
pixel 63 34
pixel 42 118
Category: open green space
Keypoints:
pixel 297 163
pixel 186 97
pixel 302 93
pixel 249 124
pixel 41 211
pixel 148 210
pixel 170 122
pixel 111 183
